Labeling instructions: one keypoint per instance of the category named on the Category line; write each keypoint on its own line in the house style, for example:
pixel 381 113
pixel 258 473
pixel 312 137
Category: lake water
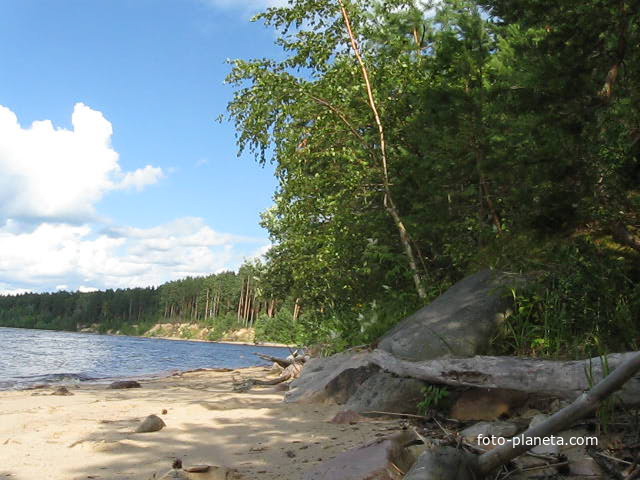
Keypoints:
pixel 29 357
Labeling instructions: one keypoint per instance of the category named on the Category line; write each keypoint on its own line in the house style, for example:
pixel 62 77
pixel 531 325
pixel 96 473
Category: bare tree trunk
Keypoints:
pixel 389 203
pixel 240 302
pixel 296 310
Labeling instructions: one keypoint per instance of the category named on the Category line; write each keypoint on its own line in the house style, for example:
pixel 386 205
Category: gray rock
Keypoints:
pixel 380 460
pixel 342 387
pixel 459 323
pixel 125 384
pixel 385 392
pixel 63 391
pixel 331 379
pixel 152 423
pixel 489 429
pixel 445 463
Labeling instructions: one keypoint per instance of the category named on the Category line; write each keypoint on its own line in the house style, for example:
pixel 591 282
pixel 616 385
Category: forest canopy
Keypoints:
pixel 416 142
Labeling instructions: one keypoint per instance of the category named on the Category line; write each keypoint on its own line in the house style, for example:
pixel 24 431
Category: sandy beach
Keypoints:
pixel 89 435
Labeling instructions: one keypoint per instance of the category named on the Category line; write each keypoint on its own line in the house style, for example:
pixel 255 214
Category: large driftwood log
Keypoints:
pixel 567 380
pixel 440 464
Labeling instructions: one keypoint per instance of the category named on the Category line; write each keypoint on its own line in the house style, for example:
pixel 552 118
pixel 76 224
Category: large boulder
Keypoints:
pixel 459 323
pixel 384 392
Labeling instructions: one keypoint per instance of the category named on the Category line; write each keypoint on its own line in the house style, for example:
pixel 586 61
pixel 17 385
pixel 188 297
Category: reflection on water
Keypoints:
pixel 40 356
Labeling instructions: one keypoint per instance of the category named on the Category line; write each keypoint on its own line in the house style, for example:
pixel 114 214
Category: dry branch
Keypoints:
pixel 585 404
pixel 283 362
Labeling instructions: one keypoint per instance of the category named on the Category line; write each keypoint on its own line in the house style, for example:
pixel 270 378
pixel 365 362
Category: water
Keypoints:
pixel 29 357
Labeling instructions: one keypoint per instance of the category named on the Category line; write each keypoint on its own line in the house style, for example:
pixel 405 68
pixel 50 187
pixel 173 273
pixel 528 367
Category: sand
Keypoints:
pixel 89 435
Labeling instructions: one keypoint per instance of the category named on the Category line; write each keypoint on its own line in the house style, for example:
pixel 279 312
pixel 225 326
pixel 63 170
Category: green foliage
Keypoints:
pixel 607 408
pixel 433 397
pixel 281 328
pixel 503 152
pixel 221 325
pixel 585 299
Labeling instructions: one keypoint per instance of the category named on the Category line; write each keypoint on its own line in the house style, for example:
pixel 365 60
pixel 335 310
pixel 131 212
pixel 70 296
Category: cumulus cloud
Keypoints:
pixel 141 177
pixel 56 174
pixel 51 237
pixel 64 256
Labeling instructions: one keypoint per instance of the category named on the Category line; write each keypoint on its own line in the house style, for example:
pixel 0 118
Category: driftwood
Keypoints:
pixel 289 373
pixel 560 379
pixel 283 362
pixel 585 404
pixel 442 464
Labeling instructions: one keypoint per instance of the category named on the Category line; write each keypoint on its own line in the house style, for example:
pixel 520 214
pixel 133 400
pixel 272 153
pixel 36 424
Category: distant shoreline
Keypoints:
pixel 230 342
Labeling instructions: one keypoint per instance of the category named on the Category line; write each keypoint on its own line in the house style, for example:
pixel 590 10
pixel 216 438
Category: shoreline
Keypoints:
pixel 89 434
pixel 230 342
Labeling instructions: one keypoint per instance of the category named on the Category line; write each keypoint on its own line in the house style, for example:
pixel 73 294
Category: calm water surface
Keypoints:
pixel 29 357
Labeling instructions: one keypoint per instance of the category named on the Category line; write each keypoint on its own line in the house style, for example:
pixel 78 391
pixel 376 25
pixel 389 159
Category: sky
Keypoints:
pixel 113 170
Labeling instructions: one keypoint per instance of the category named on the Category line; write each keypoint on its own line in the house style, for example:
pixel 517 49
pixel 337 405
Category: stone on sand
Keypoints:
pixel 124 384
pixel 152 423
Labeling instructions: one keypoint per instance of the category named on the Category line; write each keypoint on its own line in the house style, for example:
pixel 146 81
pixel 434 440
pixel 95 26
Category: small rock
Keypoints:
pixel 164 411
pixel 63 391
pixel 489 429
pixel 198 468
pixel 152 423
pixel 125 384
pixel 382 459
pixel 446 463
pixel 282 387
pixel 290 453
pixel 586 466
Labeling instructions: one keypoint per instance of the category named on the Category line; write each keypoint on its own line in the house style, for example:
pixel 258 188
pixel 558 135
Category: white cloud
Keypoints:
pixel 55 174
pixel 85 289
pixel 13 291
pixel 51 237
pixel 141 177
pixel 63 256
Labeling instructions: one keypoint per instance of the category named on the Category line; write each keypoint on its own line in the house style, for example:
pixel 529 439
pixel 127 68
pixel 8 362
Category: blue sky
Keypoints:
pixel 125 178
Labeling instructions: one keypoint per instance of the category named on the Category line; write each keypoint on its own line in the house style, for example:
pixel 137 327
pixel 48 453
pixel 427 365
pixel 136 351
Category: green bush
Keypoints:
pixel 586 301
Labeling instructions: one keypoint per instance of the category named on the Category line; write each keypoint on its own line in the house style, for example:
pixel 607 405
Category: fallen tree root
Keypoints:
pixel 567 380
pixel 289 373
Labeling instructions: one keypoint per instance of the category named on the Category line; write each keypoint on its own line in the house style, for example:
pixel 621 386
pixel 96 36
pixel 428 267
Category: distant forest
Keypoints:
pixel 415 143
pixel 222 302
